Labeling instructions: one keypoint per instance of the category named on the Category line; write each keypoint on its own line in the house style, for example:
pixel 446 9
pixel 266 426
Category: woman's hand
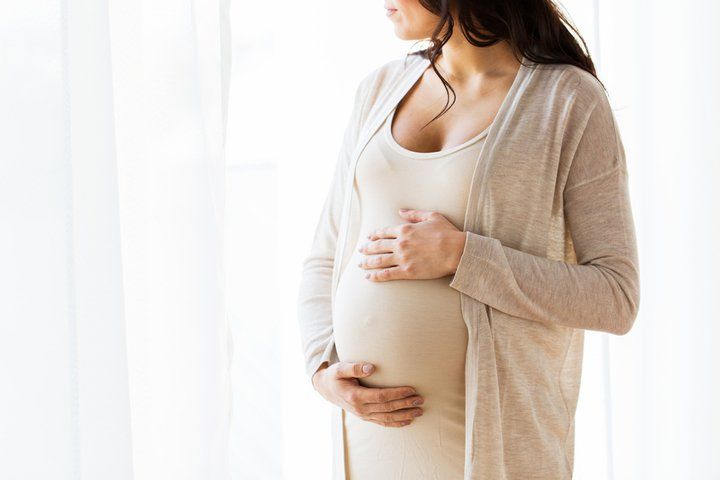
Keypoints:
pixel 428 247
pixel 389 407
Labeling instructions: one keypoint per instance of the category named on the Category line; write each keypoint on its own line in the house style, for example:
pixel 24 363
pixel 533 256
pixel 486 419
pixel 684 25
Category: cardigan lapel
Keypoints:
pixel 483 452
pixel 485 157
pixel 380 109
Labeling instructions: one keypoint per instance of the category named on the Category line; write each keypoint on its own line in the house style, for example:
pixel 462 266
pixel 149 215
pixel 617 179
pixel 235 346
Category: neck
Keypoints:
pixel 461 61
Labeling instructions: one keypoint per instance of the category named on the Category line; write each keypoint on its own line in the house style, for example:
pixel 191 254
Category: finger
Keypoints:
pixel 396 416
pixel 385 394
pixel 378 260
pixel 356 396
pixel 408 402
pixel 392 424
pixel 392 273
pixel 415 215
pixel 392 231
pixel 377 246
pixel 354 369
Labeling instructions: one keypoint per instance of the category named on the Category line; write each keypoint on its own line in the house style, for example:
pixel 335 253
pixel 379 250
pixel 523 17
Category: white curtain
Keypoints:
pixel 114 347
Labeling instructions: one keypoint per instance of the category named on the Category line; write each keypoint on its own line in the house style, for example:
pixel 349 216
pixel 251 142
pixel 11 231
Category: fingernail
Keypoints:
pixel 417 402
pixel 367 275
pixel 367 368
pixel 417 413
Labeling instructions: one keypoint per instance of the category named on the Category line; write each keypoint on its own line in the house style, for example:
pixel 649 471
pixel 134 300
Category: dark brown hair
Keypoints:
pixel 535 29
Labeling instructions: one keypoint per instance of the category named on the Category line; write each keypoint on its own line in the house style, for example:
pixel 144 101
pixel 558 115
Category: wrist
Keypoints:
pixel 457 246
pixel 317 376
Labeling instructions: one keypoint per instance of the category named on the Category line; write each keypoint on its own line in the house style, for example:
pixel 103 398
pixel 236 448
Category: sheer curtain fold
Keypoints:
pixel 114 358
pixel 63 363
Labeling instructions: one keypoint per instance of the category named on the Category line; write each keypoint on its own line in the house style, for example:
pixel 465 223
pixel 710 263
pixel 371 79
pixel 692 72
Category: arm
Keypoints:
pixel 600 292
pixel 314 297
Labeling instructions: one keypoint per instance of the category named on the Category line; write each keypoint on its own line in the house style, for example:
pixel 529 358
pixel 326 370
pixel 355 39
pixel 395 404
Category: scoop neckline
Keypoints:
pixel 387 127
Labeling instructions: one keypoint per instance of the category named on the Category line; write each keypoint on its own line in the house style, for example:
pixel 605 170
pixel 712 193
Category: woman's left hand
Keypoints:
pixel 430 246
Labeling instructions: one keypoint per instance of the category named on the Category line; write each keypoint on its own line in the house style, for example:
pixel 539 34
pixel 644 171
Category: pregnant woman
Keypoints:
pixel 465 246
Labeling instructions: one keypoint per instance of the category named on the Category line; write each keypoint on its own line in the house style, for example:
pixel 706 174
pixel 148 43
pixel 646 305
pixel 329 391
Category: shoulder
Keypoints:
pixel 382 77
pixel 387 73
pixel 569 83
pixel 590 132
pixel 394 67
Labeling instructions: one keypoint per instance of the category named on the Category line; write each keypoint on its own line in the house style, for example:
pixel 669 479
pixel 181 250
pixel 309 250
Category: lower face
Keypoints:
pixel 412 21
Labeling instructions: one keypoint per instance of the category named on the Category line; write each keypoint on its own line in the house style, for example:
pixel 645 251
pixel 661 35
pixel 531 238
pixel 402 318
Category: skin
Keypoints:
pixel 427 245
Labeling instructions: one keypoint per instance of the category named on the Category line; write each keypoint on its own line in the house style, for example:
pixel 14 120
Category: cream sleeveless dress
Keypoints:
pixel 411 330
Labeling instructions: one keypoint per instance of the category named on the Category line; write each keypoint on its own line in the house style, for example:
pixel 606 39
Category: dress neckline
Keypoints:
pixel 387 130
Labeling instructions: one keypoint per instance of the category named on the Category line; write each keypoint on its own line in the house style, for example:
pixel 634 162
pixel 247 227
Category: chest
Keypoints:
pixel 473 110
pixel 389 177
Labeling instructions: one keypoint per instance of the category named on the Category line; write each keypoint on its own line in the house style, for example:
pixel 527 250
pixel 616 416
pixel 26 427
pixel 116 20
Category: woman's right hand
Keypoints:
pixel 389 407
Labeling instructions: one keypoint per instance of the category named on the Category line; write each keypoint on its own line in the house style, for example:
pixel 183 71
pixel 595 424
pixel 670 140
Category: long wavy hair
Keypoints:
pixel 535 29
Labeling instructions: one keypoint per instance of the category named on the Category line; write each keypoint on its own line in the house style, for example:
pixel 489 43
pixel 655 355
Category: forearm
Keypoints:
pixel 602 295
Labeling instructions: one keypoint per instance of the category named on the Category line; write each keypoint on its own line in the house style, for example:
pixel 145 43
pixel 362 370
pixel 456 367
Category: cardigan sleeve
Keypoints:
pixel 314 311
pixel 601 291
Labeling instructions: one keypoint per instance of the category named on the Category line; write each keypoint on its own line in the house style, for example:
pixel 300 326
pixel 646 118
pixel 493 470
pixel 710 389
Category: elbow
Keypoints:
pixel 624 326
pixel 623 301
pixel 628 313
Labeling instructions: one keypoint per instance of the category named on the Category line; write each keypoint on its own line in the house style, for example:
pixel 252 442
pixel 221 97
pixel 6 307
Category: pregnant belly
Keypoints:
pixel 411 330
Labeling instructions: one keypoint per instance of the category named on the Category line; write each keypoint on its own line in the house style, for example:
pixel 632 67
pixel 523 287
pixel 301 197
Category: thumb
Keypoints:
pixel 354 369
pixel 414 215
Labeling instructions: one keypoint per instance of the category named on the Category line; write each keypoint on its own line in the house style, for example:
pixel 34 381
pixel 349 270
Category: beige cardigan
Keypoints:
pixel 550 251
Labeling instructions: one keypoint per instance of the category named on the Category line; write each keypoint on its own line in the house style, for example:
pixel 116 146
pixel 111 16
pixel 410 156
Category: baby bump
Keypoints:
pixel 411 330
